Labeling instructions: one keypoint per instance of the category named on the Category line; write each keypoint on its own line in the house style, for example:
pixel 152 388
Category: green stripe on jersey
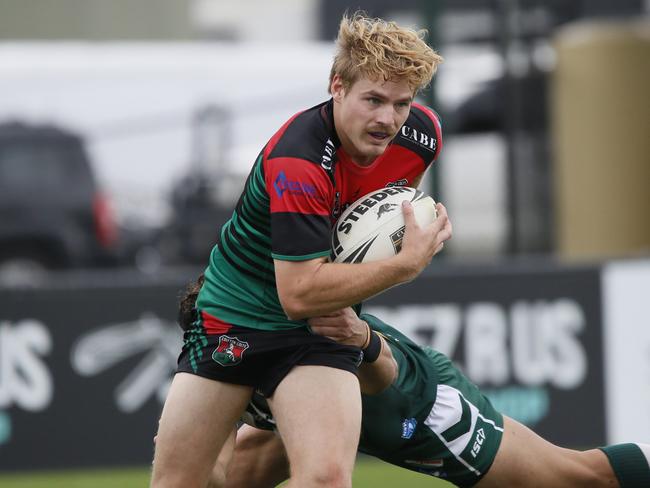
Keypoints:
pixel 306 257
pixel 239 299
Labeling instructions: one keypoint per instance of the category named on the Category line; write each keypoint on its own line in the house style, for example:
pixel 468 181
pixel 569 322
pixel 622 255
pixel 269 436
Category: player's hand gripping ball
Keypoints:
pixel 372 228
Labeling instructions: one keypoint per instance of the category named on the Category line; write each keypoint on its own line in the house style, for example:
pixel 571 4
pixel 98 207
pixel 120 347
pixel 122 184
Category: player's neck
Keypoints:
pixel 350 160
pixel 360 160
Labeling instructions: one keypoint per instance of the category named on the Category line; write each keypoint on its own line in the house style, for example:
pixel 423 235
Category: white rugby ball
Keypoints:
pixel 372 228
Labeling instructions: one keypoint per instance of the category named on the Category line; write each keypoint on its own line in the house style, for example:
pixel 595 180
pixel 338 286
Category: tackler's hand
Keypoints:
pixel 343 326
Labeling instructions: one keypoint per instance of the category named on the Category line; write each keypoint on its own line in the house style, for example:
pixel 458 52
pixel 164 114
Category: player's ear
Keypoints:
pixel 337 89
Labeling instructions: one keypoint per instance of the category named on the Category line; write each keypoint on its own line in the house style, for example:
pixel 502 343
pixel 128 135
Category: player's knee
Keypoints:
pixel 595 470
pixel 591 478
pixel 217 476
pixel 173 480
pixel 169 473
pixel 328 475
pixel 217 480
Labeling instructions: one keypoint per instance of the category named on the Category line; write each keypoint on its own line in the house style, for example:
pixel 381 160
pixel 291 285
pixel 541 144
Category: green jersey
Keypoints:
pixel 239 286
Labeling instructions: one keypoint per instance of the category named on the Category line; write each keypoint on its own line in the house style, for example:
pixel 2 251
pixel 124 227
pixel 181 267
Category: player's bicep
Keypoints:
pixel 292 278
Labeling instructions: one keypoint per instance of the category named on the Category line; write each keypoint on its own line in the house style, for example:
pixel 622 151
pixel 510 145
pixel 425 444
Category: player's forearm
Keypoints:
pixel 333 286
pixel 315 287
pixel 375 377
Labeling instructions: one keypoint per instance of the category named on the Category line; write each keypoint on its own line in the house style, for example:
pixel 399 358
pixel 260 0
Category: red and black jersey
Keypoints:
pixel 310 179
pixel 301 181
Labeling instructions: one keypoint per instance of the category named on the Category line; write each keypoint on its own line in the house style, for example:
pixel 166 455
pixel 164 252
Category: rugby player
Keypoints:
pixel 269 272
pixel 422 414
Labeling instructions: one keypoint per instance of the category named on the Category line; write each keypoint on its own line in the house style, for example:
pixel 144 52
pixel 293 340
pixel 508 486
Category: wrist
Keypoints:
pixel 367 338
pixel 407 270
pixel 373 348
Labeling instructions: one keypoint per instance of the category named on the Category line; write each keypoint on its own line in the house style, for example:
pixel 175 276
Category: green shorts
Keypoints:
pixel 460 437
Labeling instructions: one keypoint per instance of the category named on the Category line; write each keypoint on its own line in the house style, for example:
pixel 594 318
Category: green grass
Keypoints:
pixel 371 473
pixel 115 478
pixel 368 473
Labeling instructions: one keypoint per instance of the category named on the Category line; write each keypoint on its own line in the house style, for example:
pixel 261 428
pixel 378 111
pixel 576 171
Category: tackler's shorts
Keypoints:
pixel 457 441
pixel 462 432
pixel 259 358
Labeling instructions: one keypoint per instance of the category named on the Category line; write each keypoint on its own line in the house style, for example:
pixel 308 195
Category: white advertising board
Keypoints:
pixel 626 307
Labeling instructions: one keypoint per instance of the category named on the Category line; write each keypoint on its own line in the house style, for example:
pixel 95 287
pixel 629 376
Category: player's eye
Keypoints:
pixel 374 101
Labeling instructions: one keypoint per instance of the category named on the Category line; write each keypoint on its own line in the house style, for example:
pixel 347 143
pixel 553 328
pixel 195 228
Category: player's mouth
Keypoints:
pixel 379 136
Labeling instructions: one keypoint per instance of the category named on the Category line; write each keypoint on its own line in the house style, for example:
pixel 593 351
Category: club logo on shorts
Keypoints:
pixel 230 350
pixel 408 428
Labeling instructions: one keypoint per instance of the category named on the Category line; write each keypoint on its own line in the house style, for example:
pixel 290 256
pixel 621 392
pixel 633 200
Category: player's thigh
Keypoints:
pixel 197 419
pixel 525 459
pixel 318 413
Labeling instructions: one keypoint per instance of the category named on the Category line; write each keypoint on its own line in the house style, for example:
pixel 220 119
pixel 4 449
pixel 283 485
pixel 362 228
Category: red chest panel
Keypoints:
pixel 396 167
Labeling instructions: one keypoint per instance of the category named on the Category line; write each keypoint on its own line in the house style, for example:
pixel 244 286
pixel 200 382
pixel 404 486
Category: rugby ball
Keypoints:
pixel 372 227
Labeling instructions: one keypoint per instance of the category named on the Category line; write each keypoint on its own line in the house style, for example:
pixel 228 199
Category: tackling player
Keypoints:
pixel 428 417
pixel 269 271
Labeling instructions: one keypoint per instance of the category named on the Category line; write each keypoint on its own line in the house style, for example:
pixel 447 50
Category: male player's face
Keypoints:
pixel 369 114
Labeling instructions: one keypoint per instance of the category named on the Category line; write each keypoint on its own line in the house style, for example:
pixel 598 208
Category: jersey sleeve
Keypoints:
pixel 300 195
pixel 426 132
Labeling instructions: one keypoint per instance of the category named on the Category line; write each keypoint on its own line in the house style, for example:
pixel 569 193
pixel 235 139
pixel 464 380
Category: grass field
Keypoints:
pixel 368 474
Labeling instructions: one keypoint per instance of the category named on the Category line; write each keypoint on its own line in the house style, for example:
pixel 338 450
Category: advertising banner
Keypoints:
pixel 84 369
pixel 83 373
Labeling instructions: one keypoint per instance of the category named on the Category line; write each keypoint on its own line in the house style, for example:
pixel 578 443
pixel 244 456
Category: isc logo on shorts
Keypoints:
pixel 230 351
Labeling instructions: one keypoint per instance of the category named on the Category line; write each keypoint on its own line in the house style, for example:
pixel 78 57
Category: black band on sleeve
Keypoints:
pixel 373 349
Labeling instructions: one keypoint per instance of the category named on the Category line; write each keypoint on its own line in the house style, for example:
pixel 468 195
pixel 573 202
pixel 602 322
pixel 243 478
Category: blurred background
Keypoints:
pixel 127 129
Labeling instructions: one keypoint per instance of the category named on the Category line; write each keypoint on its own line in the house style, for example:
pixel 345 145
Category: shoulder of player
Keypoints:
pixel 425 118
pixel 422 132
pixel 306 136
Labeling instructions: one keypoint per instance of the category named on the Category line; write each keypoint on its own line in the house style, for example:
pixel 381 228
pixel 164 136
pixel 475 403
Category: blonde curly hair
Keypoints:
pixel 378 49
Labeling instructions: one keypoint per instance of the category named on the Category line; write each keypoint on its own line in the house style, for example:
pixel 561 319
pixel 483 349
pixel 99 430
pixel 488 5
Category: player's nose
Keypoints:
pixel 385 115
